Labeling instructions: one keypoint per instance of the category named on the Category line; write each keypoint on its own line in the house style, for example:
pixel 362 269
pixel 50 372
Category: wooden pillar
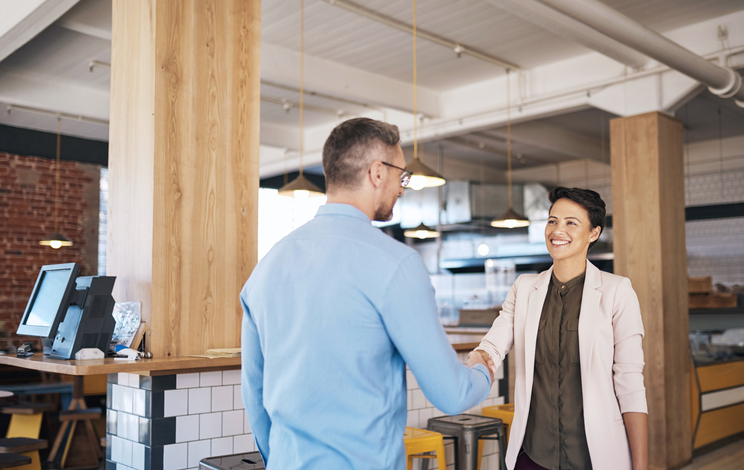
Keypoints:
pixel 648 200
pixel 183 162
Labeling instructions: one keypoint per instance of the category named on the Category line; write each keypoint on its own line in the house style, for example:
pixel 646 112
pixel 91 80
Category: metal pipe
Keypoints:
pixel 721 81
pixel 407 28
pixel 14 107
pixel 576 31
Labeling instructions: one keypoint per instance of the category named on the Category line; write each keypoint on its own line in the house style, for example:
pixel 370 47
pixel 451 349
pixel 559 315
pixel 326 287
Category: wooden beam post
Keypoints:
pixel 648 200
pixel 183 166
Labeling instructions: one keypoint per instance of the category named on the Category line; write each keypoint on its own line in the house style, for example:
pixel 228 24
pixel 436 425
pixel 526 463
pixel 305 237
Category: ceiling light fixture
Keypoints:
pixel 57 240
pixel 301 187
pixel 423 176
pixel 421 232
pixel 510 219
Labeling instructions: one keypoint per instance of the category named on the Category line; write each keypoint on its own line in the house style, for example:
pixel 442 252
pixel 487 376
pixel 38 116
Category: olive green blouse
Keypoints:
pixel 555 437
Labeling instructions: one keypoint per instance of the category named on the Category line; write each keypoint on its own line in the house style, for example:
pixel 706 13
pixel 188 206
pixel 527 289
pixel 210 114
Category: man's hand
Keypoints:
pixel 482 357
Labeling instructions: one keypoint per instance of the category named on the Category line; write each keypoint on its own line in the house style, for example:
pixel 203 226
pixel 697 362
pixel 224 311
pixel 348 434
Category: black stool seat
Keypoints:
pixel 467 430
pixel 13 460
pixel 21 444
pixel 248 461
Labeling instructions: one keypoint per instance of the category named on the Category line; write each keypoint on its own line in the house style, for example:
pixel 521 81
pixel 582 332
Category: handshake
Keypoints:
pixel 481 357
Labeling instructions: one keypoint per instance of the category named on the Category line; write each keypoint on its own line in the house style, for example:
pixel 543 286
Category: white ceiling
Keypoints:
pixel 51 71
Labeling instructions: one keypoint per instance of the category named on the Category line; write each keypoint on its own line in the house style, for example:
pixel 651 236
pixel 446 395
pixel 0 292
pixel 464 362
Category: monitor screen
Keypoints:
pixel 49 300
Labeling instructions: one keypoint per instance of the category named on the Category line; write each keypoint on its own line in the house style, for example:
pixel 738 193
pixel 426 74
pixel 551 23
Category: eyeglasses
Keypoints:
pixel 405 176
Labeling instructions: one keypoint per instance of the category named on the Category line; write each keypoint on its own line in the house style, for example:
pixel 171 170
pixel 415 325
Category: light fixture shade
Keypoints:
pixel 423 176
pixel 300 187
pixel 56 241
pixel 510 219
pixel 421 232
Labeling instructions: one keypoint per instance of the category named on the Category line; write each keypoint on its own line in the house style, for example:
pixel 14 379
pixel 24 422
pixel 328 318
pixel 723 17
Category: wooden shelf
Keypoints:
pixel 157 366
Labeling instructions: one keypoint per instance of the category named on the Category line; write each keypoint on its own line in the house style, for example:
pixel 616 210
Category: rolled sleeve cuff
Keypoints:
pixel 483 370
pixel 634 402
pixel 491 351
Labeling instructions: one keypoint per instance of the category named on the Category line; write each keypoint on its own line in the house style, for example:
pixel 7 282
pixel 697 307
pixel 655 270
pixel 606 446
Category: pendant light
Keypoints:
pixel 423 176
pixel 301 187
pixel 421 232
pixel 57 240
pixel 510 218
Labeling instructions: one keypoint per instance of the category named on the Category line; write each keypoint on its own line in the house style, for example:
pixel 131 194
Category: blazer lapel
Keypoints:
pixel 532 321
pixel 588 318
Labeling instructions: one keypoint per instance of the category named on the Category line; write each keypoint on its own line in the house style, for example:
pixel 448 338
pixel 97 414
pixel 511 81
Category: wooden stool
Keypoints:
pixel 504 412
pixel 25 420
pixel 418 441
pixel 27 447
pixel 13 460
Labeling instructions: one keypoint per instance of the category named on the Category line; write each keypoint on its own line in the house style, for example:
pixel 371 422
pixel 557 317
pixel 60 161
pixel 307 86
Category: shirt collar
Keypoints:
pixel 577 281
pixel 342 209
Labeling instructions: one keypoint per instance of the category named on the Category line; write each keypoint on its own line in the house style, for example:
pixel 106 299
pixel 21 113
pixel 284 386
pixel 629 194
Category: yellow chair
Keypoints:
pixel 504 412
pixel 418 441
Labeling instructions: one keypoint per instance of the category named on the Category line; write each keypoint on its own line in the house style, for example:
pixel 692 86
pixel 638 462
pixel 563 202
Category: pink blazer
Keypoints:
pixel 610 334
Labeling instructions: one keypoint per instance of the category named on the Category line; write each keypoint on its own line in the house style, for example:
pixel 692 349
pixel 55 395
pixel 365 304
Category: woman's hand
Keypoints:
pixel 636 425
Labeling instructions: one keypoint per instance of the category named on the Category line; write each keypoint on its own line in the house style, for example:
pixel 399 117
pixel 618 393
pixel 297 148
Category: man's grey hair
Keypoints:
pixel 347 151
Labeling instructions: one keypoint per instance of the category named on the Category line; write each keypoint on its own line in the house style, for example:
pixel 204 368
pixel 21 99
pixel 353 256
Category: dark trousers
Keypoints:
pixel 524 462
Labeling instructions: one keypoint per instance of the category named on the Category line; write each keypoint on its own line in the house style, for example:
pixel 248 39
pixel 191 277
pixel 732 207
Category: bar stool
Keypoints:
pixel 25 419
pixel 504 412
pixel 469 430
pixel 13 460
pixel 418 441
pixel 29 448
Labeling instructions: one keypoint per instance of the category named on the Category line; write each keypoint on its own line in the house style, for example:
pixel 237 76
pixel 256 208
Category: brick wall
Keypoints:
pixel 27 216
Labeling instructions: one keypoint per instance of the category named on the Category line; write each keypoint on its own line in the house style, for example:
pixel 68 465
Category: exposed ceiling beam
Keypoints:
pixel 552 138
pixel 281 65
pixel 91 17
pixel 454 46
pixel 21 21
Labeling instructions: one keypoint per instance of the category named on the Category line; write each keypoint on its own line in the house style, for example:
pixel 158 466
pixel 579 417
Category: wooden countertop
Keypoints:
pixel 156 366
pixel 465 341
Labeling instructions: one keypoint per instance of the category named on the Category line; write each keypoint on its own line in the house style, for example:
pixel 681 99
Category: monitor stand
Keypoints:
pixel 46 344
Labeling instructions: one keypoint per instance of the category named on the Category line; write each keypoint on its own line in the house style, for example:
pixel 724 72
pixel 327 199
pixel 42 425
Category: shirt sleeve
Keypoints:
pixel 409 313
pixel 500 338
pixel 627 367
pixel 252 382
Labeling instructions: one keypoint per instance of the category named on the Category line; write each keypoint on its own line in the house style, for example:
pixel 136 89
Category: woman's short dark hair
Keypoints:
pixel 346 151
pixel 586 198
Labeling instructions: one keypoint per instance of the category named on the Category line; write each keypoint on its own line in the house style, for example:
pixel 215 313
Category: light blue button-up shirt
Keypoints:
pixel 333 314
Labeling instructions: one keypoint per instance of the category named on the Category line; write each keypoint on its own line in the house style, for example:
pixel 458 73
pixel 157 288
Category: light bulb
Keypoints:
pixel 417 182
pixel 483 249
pixel 510 223
pixel 301 193
pixel 421 234
pixel 56 244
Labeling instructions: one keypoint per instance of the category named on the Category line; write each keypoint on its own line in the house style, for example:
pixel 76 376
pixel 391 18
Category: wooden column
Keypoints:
pixel 183 162
pixel 648 200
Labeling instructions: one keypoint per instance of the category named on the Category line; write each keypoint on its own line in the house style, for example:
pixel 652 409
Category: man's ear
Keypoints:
pixel 376 174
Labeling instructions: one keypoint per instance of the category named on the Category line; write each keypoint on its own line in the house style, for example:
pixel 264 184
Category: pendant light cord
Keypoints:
pixel 302 78
pixel 508 140
pixel 415 101
pixel 56 176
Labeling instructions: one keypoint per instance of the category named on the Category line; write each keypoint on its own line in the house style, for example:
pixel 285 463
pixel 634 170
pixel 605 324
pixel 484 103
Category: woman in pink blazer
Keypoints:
pixel 579 396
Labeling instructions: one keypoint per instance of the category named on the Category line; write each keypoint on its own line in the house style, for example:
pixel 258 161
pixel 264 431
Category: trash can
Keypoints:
pixel 248 461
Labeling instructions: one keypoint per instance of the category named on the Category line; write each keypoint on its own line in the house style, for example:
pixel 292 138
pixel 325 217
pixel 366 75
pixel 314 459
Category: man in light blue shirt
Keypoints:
pixel 333 314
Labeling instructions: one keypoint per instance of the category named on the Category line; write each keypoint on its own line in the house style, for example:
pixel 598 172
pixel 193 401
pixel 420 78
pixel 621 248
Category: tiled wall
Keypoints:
pixel 172 422
pixel 420 410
